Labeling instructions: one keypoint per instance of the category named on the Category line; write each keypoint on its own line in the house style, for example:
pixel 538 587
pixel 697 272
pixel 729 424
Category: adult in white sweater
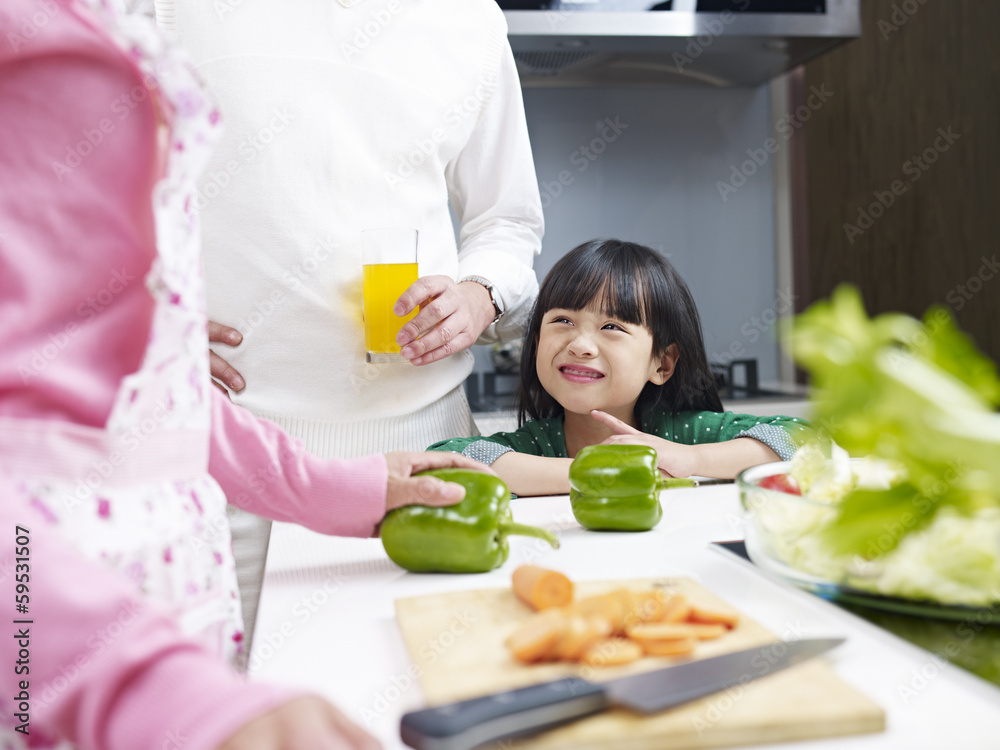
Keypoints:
pixel 343 115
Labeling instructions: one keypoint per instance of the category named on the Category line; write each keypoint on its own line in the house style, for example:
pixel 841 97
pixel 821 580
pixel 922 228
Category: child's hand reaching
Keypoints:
pixel 673 459
pixel 406 489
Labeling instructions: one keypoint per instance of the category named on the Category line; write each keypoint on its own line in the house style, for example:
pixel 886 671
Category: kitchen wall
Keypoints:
pixel 645 164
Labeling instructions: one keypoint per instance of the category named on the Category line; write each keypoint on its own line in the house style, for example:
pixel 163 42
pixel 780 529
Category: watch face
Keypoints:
pixel 497 307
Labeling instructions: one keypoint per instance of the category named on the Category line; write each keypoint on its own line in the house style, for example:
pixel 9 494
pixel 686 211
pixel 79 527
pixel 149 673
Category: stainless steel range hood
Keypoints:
pixel 628 42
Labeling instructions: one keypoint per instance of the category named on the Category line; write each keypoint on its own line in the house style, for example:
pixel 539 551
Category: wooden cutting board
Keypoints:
pixel 457 644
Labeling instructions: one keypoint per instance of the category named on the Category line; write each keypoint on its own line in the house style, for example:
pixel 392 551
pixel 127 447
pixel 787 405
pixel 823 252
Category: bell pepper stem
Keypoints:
pixel 519 529
pixel 669 483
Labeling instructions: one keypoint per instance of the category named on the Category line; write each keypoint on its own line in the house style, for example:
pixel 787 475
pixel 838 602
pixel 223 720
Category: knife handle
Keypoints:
pixel 464 725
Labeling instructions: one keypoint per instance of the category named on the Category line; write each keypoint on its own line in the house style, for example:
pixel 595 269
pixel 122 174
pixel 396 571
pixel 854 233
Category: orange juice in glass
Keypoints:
pixel 389 257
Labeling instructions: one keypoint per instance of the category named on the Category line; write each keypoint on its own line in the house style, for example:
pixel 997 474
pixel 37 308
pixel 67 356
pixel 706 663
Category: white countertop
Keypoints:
pixel 326 619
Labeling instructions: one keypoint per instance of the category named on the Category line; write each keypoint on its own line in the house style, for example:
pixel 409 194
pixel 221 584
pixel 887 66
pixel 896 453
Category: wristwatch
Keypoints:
pixel 494 295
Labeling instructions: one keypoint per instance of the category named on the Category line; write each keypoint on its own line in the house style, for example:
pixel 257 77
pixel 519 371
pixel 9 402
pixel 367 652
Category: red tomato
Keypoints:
pixel 780 483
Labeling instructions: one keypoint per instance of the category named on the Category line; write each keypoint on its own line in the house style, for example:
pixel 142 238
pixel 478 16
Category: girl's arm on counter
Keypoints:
pixel 527 475
pixel 724 460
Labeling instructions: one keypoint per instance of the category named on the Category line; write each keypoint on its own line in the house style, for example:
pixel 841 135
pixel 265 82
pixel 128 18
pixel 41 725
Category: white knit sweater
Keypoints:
pixel 343 115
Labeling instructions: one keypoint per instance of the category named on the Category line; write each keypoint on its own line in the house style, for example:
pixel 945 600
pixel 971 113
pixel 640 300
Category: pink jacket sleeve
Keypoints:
pixel 263 470
pixel 102 667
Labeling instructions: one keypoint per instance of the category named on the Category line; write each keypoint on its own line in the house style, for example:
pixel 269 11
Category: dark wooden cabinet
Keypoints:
pixel 902 164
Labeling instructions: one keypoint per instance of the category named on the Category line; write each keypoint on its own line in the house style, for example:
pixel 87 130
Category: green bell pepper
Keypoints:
pixel 469 537
pixel 617 487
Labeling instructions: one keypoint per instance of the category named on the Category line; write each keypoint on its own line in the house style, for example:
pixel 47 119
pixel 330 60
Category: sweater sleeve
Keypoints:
pixel 540 437
pixel 485 450
pixel 103 667
pixel 494 193
pixel 265 471
pixel 781 434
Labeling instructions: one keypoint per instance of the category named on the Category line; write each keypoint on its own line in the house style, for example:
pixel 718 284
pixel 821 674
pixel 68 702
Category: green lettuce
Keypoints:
pixel 921 397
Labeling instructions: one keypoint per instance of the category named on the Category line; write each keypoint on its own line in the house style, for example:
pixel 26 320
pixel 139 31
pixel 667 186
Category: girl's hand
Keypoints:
pixel 673 459
pixel 406 489
pixel 303 723
pixel 221 369
pixel 451 318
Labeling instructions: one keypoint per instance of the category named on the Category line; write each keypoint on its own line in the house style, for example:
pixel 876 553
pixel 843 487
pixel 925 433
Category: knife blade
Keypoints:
pixel 470 723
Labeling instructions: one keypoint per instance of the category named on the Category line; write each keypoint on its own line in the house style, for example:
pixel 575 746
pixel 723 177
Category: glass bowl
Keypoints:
pixel 783 534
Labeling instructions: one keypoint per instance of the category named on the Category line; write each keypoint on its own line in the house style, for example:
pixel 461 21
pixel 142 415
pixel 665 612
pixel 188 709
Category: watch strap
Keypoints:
pixel 494 297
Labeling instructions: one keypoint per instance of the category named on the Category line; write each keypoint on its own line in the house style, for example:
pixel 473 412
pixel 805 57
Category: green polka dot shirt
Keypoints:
pixel 545 437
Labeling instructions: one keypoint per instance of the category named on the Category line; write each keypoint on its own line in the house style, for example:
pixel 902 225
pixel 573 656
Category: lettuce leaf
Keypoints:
pixel 871 523
pixel 954 560
pixel 955 353
pixel 918 394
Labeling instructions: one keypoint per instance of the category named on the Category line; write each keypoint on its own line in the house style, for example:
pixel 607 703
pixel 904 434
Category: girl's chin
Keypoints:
pixel 582 410
pixel 581 404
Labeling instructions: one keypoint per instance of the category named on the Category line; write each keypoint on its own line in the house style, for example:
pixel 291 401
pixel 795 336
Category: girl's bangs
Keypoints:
pixel 620 292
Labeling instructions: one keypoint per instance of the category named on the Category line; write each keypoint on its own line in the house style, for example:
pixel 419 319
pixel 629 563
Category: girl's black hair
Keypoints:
pixel 637 285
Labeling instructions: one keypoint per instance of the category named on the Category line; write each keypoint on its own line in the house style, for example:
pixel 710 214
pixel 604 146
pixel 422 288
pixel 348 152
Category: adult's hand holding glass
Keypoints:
pixel 221 369
pixel 452 316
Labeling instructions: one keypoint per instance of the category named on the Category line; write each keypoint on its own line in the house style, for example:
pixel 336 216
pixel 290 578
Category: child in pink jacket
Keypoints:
pixel 116 454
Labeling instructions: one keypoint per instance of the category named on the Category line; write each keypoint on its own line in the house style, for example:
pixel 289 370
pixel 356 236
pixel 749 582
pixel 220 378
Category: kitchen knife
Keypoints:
pixel 464 725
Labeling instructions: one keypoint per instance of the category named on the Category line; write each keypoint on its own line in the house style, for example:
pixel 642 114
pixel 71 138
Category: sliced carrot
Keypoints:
pixel 608 629
pixel 674 631
pixel 610 607
pixel 584 606
pixel 623 604
pixel 669 648
pixel 650 606
pixel 541 588
pixel 589 605
pixel 676 609
pixel 575 639
pixel 713 617
pixel 581 633
pixel 600 625
pixel 537 637
pixel 612 652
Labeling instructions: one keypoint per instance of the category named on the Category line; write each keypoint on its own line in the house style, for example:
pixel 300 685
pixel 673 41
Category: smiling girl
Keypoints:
pixel 614 354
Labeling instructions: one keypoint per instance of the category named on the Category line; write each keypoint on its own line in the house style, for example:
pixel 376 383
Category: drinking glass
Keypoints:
pixel 389 256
